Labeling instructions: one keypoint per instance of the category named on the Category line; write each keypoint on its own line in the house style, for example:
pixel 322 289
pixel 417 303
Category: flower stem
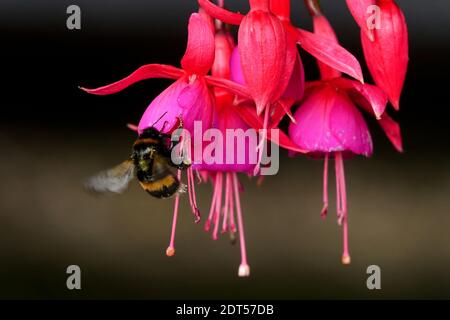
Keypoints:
pixel 259 5
pixel 281 8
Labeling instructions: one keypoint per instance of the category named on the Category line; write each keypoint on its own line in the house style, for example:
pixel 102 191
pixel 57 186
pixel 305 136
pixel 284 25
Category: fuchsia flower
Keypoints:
pixel 188 99
pixel 328 123
pixel 226 199
pixel 385 47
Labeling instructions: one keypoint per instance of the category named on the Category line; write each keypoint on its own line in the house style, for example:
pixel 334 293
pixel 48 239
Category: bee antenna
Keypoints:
pixel 159 118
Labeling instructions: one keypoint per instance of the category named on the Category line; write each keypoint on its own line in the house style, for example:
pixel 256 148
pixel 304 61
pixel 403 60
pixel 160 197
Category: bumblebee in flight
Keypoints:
pixel 150 162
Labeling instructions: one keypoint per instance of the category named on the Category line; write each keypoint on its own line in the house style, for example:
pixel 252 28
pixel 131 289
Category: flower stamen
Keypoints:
pixel 340 177
pixel 323 213
pixel 244 268
pixel 170 251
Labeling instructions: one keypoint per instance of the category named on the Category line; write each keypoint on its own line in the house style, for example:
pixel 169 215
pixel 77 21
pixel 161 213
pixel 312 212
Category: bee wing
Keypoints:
pixel 115 180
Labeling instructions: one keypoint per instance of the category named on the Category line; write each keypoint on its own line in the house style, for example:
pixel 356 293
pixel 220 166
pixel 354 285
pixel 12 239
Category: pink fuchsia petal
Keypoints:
pixel 199 55
pixel 263 50
pixel 183 99
pixel 330 53
pixel 328 121
pixel 197 101
pixel 296 85
pixel 220 13
pixel 236 73
pixel 145 72
pixel 387 56
pixel 323 28
pixel 360 10
pixel 227 118
pixel 375 97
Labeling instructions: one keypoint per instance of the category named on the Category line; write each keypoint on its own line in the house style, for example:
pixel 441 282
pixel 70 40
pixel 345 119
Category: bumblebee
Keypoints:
pixel 150 162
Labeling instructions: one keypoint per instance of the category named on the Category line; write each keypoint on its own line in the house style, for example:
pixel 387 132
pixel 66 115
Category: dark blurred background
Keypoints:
pixel 52 136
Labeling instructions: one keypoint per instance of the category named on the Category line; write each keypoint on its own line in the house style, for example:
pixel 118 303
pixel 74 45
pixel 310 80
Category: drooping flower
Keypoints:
pixel 187 100
pixel 386 51
pixel 329 125
pixel 231 157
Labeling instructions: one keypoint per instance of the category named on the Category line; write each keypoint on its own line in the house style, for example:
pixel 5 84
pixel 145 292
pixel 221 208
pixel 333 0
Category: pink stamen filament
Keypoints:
pixel 213 206
pixel 192 196
pixel 226 207
pixel 344 218
pixel 338 188
pixel 231 223
pixel 170 251
pixel 244 268
pixel 218 208
pixel 324 212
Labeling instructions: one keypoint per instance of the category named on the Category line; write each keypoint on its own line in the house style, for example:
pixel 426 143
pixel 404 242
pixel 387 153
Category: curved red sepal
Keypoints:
pixel 229 85
pixel 374 96
pixel 199 55
pixel 392 130
pixel 387 55
pixel 330 53
pixel 220 13
pixel 390 127
pixel 323 28
pixel 145 72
